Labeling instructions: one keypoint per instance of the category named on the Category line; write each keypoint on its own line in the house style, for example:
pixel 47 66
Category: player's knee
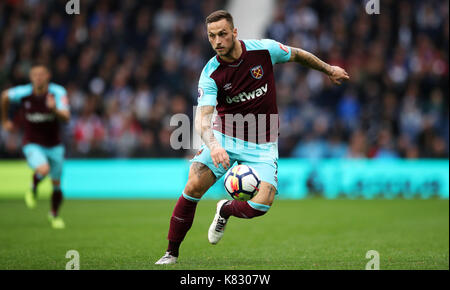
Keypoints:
pixel 266 194
pixel 194 189
pixel 43 170
pixel 200 180
pixel 56 185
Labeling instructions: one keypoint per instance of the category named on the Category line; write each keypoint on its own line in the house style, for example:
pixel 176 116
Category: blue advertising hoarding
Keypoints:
pixel 298 178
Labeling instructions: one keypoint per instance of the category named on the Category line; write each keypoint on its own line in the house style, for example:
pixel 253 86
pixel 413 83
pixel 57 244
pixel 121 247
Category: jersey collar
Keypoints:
pixel 238 61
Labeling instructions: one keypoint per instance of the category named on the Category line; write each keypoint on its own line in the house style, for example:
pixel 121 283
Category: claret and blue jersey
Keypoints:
pixel 245 86
pixel 40 124
pixel 42 137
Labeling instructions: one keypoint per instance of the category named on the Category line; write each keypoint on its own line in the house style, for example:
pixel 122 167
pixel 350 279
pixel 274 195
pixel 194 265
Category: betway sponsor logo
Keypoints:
pixel 242 97
pixel 39 117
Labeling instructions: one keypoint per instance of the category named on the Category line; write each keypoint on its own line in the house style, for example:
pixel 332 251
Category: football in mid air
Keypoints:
pixel 242 182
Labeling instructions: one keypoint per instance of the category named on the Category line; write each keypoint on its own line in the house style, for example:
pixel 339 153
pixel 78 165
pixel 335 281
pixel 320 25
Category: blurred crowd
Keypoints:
pixel 128 66
pixel 396 104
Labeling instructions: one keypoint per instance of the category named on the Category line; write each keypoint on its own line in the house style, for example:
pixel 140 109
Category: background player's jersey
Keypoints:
pixel 247 87
pixel 41 126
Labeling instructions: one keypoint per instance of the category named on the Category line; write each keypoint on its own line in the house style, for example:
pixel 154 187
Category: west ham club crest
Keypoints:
pixel 257 72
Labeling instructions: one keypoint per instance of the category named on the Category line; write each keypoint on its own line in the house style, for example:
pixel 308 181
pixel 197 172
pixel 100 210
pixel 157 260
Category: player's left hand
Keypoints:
pixel 338 75
pixel 51 103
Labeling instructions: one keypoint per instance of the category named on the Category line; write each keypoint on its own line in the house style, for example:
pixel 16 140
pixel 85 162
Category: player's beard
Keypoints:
pixel 41 88
pixel 229 52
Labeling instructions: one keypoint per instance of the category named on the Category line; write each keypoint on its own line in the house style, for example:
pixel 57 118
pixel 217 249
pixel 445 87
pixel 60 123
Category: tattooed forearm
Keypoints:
pixel 203 126
pixel 209 139
pixel 310 60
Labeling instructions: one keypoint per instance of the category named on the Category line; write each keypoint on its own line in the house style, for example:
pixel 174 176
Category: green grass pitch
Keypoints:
pixel 302 234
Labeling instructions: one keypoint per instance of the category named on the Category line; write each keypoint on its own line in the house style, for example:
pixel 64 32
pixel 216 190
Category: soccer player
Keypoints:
pixel 43 106
pixel 237 81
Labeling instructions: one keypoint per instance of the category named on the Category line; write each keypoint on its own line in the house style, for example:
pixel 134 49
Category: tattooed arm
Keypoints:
pixel 203 127
pixel 335 73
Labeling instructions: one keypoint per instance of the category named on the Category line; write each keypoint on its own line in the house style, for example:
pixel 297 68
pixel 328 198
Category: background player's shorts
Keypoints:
pixel 262 157
pixel 38 155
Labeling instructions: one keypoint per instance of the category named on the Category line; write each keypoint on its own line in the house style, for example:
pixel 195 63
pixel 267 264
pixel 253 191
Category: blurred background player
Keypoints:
pixel 238 80
pixel 43 106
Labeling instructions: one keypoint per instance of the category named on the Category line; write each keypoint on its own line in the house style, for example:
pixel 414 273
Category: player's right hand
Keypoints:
pixel 7 125
pixel 220 156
